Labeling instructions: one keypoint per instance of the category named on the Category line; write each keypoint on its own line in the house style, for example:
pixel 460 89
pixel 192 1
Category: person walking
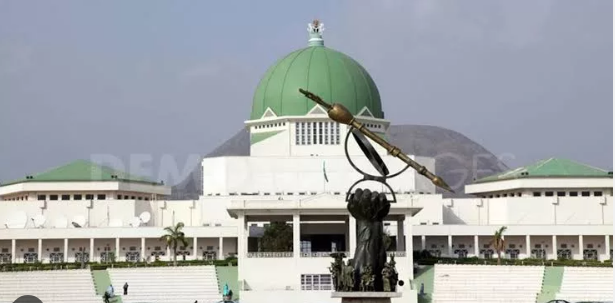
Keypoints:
pixel 125 288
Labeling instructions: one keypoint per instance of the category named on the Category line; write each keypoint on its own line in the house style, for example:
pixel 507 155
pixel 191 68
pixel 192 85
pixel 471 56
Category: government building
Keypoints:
pixel 297 173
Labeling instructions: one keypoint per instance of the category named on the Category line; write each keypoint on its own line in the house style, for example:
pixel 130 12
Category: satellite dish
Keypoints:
pixel 115 223
pixel 39 221
pixel 145 217
pixel 79 221
pixel 61 223
pixel 135 222
pixel 18 219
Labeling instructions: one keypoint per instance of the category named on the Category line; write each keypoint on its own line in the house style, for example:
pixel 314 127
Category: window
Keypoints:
pixel 133 256
pixel 317 133
pixel 316 282
pixel 585 193
pixel 77 197
pixel 101 197
pixel 41 197
pixel 549 194
pixel 537 194
pixel 82 257
pixel 306 246
pixel 65 197
pixel 598 194
pixel 574 194
pixel 89 197
pixel 561 193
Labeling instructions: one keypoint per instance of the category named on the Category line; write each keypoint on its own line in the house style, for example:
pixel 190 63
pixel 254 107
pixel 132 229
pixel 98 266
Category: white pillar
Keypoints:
pixel 423 242
pixel 352 232
pixel 195 248
pixel 450 246
pixel 241 254
pixel 220 248
pixel 92 253
pixel 40 250
pixel 143 256
pixel 607 247
pixel 66 250
pixel 476 246
pixel 117 249
pixel 581 247
pixel 554 247
pixel 407 223
pixel 13 251
pixel 296 236
pixel 400 235
pixel 528 251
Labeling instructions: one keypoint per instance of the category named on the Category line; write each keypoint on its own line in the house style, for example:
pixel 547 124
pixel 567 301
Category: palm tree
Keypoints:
pixel 174 237
pixel 498 241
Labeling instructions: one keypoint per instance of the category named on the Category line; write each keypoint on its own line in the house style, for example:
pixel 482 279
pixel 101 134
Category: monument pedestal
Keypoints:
pixel 365 297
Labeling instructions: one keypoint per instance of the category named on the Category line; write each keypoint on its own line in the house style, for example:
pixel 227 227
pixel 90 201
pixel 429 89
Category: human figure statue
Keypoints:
pixel 394 276
pixel 348 276
pixel 336 269
pixel 125 288
pixel 369 209
pixel 386 278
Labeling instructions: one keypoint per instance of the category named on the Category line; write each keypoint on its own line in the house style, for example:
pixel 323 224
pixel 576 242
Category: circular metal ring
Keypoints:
pixel 386 176
pixel 369 152
pixel 349 192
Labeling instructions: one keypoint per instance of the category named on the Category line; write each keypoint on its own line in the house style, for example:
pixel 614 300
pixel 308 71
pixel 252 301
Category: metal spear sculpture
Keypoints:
pixel 368 270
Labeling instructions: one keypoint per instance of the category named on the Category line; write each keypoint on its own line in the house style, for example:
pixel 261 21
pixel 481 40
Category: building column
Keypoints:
pixel 581 247
pixel 554 247
pixel 143 256
pixel 13 251
pixel 528 251
pixel 40 250
pixel 450 246
pixel 296 236
pixel 195 248
pixel 607 247
pixel 352 233
pixel 407 223
pixel 65 250
pixel 92 253
pixel 423 242
pixel 117 249
pixel 476 246
pixel 400 235
pixel 220 248
pixel 241 245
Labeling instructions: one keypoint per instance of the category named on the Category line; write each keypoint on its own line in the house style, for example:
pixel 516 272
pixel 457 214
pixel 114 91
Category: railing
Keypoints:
pixel 285 254
pixel 396 253
pixel 321 254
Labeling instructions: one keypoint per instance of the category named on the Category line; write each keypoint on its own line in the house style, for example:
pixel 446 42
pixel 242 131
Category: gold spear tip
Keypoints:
pixel 437 181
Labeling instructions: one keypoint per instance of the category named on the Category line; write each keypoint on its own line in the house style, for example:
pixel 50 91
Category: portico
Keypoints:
pixel 320 226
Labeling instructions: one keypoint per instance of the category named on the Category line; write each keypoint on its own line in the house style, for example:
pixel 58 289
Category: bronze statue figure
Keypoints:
pixel 369 208
pixel 336 269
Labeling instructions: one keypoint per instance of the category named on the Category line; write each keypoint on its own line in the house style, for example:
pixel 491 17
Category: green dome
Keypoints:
pixel 326 72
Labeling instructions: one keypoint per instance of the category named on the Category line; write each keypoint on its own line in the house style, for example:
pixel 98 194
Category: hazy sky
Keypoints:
pixel 168 81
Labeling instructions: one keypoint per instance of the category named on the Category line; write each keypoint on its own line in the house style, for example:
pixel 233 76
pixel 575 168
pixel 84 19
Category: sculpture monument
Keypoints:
pixel 368 271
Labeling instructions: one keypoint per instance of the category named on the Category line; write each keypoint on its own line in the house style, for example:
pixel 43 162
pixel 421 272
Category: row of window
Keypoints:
pixel 88 197
pixel 317 133
pixel 270 125
pixel 586 193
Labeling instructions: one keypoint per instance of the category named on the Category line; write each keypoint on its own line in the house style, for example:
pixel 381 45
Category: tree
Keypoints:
pixel 277 237
pixel 498 242
pixel 174 237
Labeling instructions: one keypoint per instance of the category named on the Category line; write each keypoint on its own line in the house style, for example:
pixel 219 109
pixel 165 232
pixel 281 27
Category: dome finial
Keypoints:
pixel 315 29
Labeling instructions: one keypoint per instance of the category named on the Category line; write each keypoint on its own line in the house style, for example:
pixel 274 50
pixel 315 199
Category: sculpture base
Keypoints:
pixel 365 297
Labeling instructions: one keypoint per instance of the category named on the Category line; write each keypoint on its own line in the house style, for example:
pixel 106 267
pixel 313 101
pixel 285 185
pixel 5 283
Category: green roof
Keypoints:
pixel 328 73
pixel 551 168
pixel 82 170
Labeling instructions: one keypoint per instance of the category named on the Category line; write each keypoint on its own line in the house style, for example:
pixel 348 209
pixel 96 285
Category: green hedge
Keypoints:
pixel 474 260
pixel 102 266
